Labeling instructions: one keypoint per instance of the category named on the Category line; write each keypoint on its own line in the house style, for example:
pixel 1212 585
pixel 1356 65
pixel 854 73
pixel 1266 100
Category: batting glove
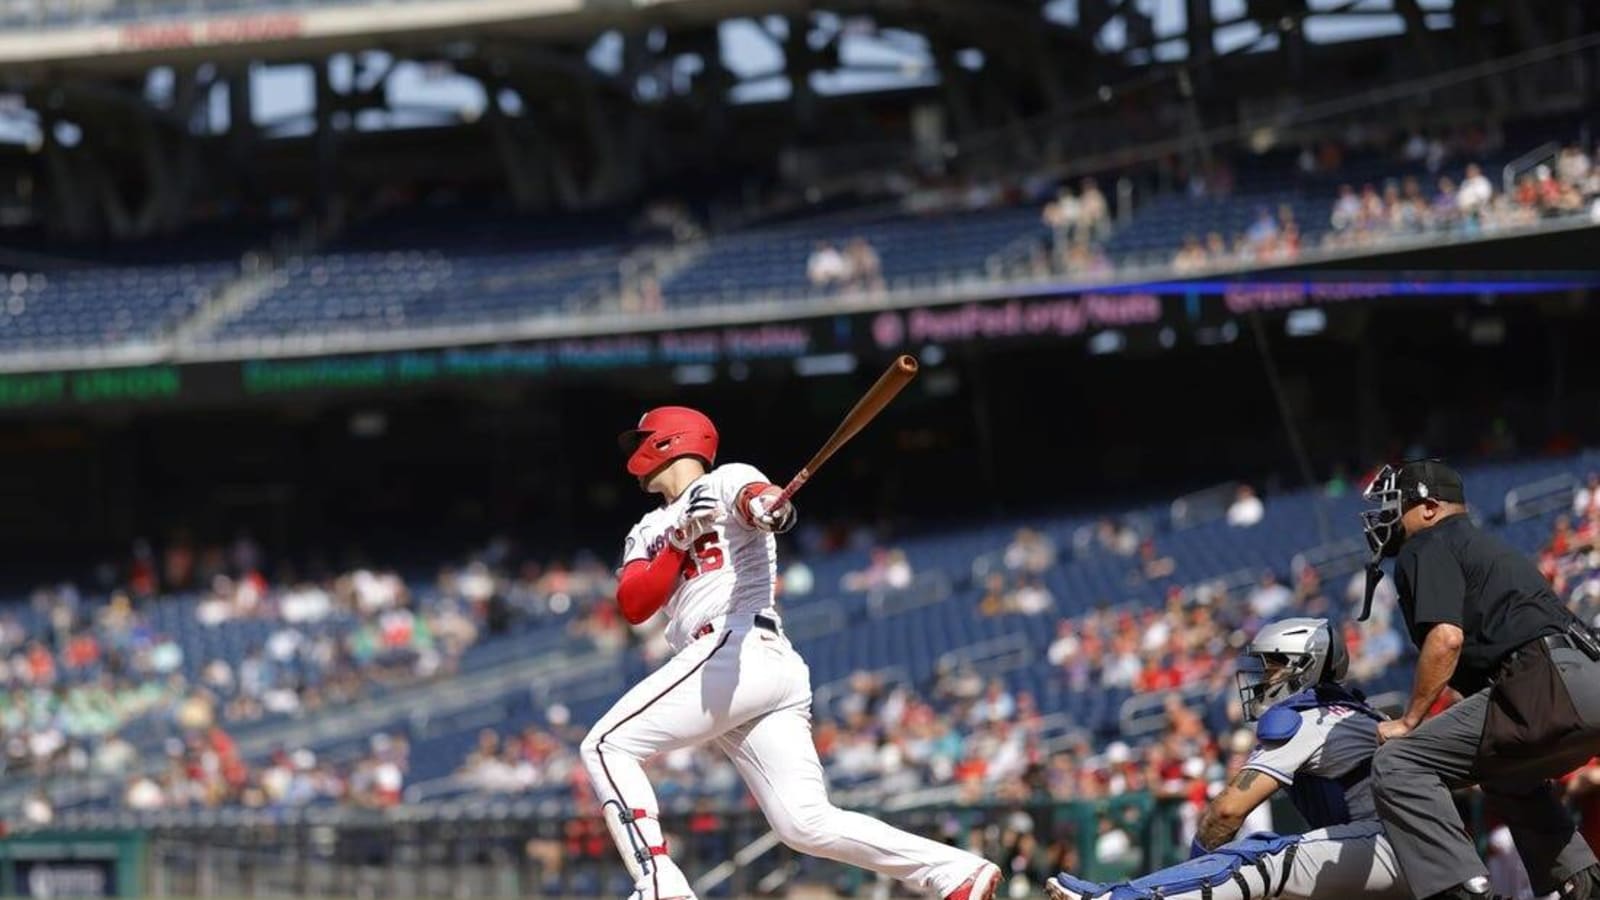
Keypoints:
pixel 699 517
pixel 768 515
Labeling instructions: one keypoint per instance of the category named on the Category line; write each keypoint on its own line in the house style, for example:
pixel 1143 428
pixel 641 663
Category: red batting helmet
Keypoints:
pixel 665 434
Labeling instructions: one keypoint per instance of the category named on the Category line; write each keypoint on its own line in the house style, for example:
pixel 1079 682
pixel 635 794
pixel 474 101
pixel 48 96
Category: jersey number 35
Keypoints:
pixel 707 557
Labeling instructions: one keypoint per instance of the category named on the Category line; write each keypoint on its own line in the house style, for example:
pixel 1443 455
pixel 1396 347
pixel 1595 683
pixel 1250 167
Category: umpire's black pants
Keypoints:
pixel 1414 775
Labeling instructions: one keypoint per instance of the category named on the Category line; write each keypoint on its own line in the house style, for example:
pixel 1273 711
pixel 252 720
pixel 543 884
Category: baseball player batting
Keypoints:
pixel 708 556
pixel 1317 740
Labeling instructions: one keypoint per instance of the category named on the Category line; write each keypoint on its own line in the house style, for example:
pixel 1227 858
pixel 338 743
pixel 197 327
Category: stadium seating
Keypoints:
pixel 468 267
pixel 1271 187
pixel 423 268
pixel 771 263
pixel 424 288
pixel 102 307
pixel 453 280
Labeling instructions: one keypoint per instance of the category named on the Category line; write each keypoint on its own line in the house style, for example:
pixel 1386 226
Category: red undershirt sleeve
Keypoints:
pixel 644 586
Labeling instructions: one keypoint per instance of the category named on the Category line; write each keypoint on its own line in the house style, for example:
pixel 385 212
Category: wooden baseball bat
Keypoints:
pixel 890 383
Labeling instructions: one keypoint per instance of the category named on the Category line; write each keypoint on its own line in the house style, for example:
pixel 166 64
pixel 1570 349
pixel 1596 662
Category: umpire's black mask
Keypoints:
pixel 1393 491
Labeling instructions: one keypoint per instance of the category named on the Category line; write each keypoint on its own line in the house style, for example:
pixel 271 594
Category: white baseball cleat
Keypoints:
pixel 981 885
pixel 664 881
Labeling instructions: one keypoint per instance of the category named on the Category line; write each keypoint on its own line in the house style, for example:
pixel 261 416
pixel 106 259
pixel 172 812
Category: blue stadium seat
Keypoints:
pixel 102 307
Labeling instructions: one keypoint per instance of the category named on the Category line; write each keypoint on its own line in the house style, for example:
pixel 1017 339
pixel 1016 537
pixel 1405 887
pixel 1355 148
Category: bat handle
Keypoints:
pixel 795 483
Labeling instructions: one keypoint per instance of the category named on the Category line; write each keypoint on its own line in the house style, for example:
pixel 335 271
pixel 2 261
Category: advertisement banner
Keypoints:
pixel 536 358
pixel 73 864
pixel 1056 317
pixel 53 880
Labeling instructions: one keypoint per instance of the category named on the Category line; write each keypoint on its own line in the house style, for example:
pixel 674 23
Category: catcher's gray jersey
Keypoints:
pixel 1325 762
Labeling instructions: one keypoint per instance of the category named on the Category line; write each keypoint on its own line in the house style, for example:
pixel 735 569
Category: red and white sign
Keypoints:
pixel 355 21
pixel 239 30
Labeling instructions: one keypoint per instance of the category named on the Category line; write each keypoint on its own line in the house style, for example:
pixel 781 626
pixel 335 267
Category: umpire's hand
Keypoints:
pixel 1394 728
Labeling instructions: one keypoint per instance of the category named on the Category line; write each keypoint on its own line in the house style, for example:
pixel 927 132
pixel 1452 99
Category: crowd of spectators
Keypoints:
pixel 1464 202
pixel 1566 185
pixel 69 693
pixel 1271 238
pixel 82 678
pixel 205 769
pixel 887 569
pixel 1080 223
pixel 1127 540
pixel 1078 216
pixel 1445 192
pixel 1013 578
pixel 1570 559
pixel 529 760
pixel 854 269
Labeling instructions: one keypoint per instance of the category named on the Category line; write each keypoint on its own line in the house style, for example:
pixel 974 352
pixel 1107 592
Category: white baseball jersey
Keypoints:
pixel 732 569
pixel 1333 744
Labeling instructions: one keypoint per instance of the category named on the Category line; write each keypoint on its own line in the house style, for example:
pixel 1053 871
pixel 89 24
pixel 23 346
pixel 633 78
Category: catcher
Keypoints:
pixel 1315 738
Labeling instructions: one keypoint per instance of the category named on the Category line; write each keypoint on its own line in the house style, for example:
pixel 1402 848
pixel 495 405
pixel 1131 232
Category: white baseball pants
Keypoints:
pixel 746 689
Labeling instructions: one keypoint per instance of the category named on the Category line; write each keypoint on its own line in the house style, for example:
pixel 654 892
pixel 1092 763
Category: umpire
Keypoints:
pixel 1488 625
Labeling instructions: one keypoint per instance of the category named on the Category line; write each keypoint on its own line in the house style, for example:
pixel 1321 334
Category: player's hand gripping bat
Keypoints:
pixel 899 374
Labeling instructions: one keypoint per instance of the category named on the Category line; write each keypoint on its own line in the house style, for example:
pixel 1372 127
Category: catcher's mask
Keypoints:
pixel 1285 658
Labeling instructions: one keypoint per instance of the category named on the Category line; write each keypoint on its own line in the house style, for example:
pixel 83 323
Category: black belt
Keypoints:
pixel 764 622
pixel 1558 642
pixel 1554 642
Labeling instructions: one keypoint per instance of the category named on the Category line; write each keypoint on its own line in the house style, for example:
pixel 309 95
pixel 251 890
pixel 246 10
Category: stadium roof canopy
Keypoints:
pixel 118 33
pixel 606 94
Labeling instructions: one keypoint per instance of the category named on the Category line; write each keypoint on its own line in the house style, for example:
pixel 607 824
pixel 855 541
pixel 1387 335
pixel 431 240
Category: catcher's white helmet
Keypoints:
pixel 1285 658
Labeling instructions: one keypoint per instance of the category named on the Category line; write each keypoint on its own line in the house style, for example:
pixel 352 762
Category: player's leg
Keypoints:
pixel 1411 783
pixel 1231 875
pixel 1551 848
pixel 687 701
pixel 1328 864
pixel 778 760
pixel 1352 860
